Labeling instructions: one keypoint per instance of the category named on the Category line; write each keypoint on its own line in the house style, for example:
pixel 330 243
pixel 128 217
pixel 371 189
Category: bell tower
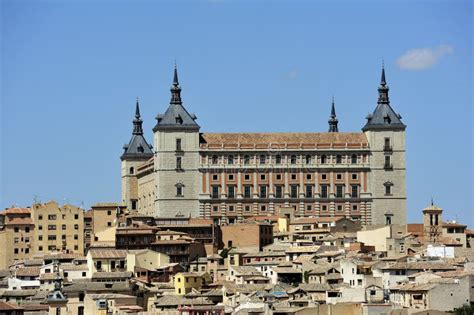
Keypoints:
pixel 136 152
pixel 176 139
pixel 385 133
pixel 432 223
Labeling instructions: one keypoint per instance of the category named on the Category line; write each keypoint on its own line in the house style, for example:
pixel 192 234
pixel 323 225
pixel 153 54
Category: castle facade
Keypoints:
pixel 232 176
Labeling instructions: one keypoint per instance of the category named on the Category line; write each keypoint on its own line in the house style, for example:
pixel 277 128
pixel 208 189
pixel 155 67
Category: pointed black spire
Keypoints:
pixel 333 119
pixel 137 122
pixel 175 89
pixel 383 89
pixel 383 117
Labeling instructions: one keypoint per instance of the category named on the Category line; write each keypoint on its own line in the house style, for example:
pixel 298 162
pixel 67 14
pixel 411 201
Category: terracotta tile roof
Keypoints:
pixel 17 211
pixel 112 275
pixel 73 267
pixel 415 228
pixel 28 272
pixel 48 276
pixel 280 140
pixel 108 253
pixel 421 265
pixel 20 221
pixel 63 256
pixel 453 224
pixel 5 306
pixel 469 232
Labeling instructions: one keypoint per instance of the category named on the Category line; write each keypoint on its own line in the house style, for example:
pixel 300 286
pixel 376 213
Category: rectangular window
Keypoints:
pixel 246 177
pixel 278 159
pixel 76 226
pixel 308 176
pixel 388 190
pixel 247 191
pixel 134 204
pixel 324 176
pixel 263 208
pixel 76 217
pixel 178 144
pixel 294 191
pixel 354 176
pixel 355 191
pixel 40 237
pixel 386 145
pixel 324 191
pixel 51 237
pixel 309 191
pixel 355 208
pixel 339 208
pixel 231 192
pixel 51 227
pixel 230 159
pixel 231 177
pixel 215 208
pixel 178 162
pixel 51 217
pixel 339 191
pixel 231 208
pixel 339 176
pixel 40 217
pixel 247 208
pixel 263 159
pixel 179 190
pixel 278 192
pixel 388 162
pixel 63 227
pixel 263 177
pixel 263 191
pixel 215 192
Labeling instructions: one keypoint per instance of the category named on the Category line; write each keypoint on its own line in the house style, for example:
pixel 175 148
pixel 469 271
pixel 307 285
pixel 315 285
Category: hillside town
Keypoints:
pixel 60 259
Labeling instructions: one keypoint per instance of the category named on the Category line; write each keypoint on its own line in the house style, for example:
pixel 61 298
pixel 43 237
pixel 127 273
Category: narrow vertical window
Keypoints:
pixel 178 144
pixel 178 163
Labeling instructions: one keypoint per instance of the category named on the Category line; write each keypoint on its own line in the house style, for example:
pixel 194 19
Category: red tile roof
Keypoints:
pixel 28 272
pixel 20 221
pixel 17 211
pixel 108 253
pixel 280 140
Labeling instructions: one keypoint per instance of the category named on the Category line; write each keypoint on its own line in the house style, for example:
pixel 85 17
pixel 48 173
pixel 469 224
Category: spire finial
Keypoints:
pixel 432 203
pixel 175 78
pixel 382 79
pixel 176 89
pixel 137 109
pixel 333 119
pixel 383 88
pixel 137 122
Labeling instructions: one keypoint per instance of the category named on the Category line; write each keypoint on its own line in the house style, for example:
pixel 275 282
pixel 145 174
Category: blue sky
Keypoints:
pixel 71 71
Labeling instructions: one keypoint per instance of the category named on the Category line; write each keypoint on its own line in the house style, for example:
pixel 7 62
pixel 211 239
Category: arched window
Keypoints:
pixel 308 159
pixel 278 159
pixel 246 159
pixel 354 159
pixel 323 159
pixel 293 159
pixel 132 170
pixel 230 159
pixel 215 159
pixel 263 159
pixel 338 159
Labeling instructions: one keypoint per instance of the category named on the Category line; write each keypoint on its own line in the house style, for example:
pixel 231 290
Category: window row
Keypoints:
pixel 293 176
pixel 54 217
pixel 288 159
pixel 294 190
pixel 263 208
pixel 53 237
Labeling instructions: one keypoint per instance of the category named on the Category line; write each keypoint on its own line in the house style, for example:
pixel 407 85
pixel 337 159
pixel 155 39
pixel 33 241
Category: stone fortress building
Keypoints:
pixel 233 176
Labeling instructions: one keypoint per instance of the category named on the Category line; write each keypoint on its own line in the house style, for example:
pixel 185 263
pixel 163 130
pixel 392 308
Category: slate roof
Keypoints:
pixel 138 147
pixel 176 116
pixel 384 117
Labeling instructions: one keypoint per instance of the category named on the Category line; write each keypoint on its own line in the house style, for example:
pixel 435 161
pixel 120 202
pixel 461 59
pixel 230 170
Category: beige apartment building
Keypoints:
pixel 16 235
pixel 58 228
pixel 228 177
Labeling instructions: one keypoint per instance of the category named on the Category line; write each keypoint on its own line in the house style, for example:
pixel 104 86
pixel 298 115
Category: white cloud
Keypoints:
pixel 423 58
pixel 291 75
